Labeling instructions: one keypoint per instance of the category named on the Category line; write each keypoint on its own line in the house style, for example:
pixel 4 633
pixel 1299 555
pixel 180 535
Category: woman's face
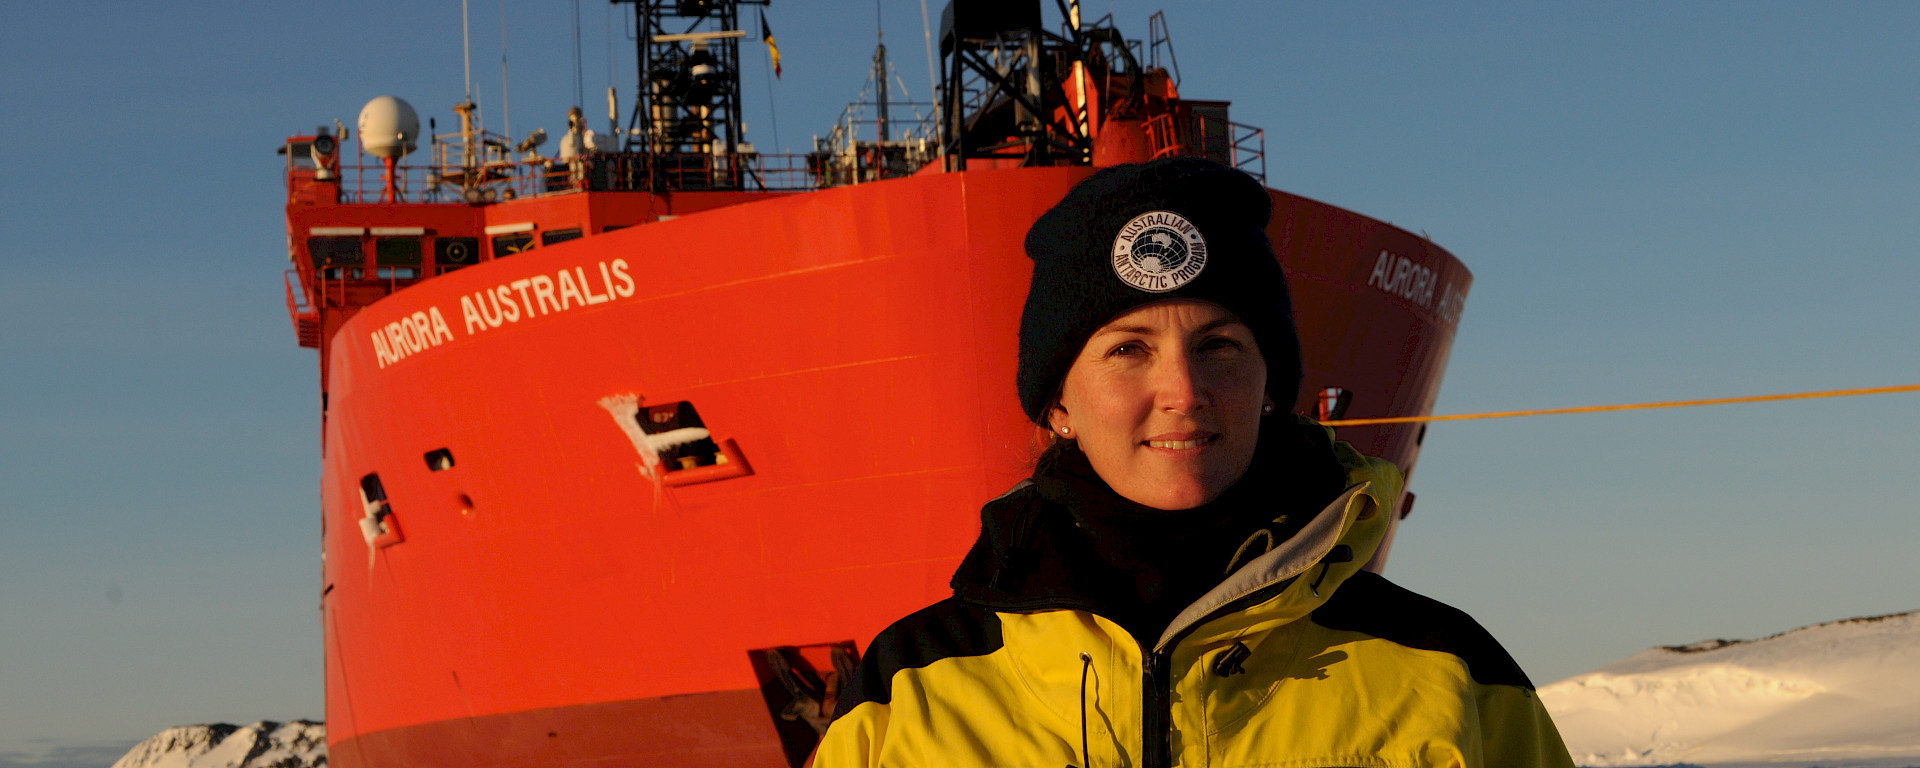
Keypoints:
pixel 1166 402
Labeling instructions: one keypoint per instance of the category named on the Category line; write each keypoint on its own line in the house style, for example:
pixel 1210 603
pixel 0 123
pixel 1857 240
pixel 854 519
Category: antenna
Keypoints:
pixel 880 66
pixel 506 108
pixel 613 98
pixel 466 47
pixel 579 79
pixel 933 78
pixel 880 86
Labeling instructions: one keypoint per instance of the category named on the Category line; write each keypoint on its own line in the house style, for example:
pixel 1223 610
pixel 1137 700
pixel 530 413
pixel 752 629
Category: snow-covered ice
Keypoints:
pixel 1840 693
pixel 265 744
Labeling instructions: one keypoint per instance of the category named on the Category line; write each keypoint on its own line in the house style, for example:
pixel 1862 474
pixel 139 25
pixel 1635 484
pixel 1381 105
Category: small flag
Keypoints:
pixel 773 49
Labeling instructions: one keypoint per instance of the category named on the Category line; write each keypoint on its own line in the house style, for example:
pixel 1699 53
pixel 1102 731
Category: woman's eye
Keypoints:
pixel 1126 349
pixel 1218 343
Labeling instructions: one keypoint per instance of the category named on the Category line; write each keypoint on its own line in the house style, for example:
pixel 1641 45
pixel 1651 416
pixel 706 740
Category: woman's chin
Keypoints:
pixel 1185 493
pixel 1170 479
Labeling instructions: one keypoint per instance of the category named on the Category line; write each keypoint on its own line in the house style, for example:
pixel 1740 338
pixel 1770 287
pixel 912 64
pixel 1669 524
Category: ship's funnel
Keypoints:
pixel 389 127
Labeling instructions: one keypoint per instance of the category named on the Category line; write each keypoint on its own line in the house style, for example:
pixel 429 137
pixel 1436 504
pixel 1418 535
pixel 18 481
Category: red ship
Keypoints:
pixel 629 450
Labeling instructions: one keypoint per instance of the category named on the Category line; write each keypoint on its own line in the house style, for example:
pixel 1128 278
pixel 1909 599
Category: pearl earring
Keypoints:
pixel 1266 409
pixel 1066 430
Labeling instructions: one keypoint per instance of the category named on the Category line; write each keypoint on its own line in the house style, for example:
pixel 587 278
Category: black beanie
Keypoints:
pixel 1178 228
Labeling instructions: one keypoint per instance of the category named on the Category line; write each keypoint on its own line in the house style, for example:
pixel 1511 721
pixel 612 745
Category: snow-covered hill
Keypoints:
pixel 265 744
pixel 1841 693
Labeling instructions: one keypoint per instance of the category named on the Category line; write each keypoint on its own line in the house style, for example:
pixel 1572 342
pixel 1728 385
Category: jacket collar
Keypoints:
pixel 1300 574
pixel 1018 563
pixel 1285 561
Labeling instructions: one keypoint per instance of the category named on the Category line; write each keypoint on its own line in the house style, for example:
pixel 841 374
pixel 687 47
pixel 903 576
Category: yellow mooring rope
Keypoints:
pixel 1628 407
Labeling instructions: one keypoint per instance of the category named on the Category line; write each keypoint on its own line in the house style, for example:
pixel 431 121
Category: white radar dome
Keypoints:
pixel 389 127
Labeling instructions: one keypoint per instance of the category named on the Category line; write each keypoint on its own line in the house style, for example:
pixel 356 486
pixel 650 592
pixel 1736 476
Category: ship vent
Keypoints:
pixel 438 460
pixel 801 685
pixel 372 493
pixel 379 526
pixel 674 444
pixel 1333 403
pixel 678 436
pixel 308 331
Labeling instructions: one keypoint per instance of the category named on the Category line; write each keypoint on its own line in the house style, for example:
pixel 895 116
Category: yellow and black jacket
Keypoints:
pixel 1298 658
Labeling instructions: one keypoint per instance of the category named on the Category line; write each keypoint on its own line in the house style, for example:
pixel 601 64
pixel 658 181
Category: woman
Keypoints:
pixel 1179 583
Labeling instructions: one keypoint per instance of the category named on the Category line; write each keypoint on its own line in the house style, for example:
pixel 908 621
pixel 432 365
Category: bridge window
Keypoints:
pixel 512 243
pixel 335 251
pixel 456 251
pixel 299 155
pixel 396 251
pixel 552 236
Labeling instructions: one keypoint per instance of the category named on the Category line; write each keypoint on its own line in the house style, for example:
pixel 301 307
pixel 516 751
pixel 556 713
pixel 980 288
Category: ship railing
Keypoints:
pixel 1200 135
pixel 854 152
pixel 334 286
pixel 306 319
pixel 486 182
pixel 619 172
pixel 871 161
pixel 367 183
pixel 855 128
pixel 297 304
pixel 741 171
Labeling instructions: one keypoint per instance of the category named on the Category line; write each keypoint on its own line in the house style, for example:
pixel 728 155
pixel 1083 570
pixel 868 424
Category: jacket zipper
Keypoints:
pixel 1156 711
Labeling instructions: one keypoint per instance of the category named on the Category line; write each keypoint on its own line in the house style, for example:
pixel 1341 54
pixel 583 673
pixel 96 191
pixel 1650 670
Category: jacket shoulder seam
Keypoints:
pixel 950 628
pixel 1370 604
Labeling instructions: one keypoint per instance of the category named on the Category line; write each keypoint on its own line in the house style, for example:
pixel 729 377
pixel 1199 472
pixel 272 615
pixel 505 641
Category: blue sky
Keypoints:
pixel 1658 201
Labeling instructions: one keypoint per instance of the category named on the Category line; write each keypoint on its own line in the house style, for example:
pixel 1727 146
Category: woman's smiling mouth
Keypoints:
pixel 1184 442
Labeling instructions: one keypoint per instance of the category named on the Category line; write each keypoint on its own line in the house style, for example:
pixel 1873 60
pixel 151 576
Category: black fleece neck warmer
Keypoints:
pixel 1069 541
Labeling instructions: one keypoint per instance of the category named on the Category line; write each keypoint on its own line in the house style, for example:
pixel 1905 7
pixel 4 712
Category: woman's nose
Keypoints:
pixel 1177 385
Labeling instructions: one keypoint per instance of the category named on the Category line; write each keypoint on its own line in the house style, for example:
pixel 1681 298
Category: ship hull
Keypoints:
pixel 714 729
pixel 548 592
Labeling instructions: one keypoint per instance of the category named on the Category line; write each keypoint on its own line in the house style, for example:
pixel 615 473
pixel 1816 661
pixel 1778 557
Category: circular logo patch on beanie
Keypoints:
pixel 1159 251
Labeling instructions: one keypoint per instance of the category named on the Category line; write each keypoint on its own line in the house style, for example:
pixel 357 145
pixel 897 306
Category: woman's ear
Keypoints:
pixel 1058 421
